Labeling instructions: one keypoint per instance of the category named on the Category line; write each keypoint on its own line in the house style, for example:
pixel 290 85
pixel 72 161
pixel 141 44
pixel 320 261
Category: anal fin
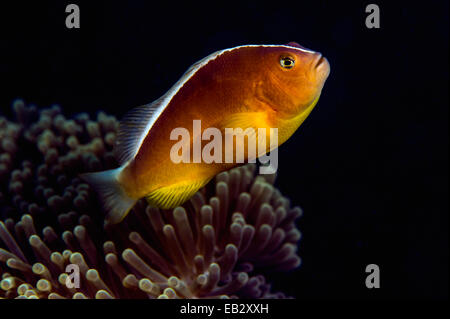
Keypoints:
pixel 169 197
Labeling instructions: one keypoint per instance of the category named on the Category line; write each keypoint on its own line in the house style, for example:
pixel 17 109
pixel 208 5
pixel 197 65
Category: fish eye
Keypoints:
pixel 287 62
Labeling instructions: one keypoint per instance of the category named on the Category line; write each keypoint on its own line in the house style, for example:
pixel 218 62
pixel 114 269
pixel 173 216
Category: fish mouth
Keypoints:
pixel 321 65
pixel 319 59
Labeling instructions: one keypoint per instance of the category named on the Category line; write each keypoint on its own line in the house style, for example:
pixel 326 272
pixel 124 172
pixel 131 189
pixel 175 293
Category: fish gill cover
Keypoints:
pixel 223 243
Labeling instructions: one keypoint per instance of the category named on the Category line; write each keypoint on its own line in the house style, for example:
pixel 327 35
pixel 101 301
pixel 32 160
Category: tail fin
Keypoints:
pixel 114 199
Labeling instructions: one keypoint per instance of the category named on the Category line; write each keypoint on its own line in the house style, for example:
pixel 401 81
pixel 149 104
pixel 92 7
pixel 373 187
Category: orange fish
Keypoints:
pixel 250 86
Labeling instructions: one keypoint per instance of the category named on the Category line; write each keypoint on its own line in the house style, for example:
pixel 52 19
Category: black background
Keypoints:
pixel 369 165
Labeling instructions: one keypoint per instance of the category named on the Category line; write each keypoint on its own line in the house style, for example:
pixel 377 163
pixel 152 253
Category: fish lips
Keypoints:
pixel 321 65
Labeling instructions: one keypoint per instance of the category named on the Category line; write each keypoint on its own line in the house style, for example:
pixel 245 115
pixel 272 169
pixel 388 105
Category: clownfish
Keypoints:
pixel 249 86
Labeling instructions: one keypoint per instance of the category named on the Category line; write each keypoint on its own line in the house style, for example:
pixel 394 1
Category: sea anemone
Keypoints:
pixel 220 244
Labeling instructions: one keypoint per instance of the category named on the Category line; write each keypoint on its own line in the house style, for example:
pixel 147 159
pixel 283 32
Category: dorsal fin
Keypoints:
pixel 133 129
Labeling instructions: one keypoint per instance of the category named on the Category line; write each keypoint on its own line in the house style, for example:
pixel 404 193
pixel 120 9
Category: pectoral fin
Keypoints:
pixel 253 120
pixel 169 197
pixel 250 123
